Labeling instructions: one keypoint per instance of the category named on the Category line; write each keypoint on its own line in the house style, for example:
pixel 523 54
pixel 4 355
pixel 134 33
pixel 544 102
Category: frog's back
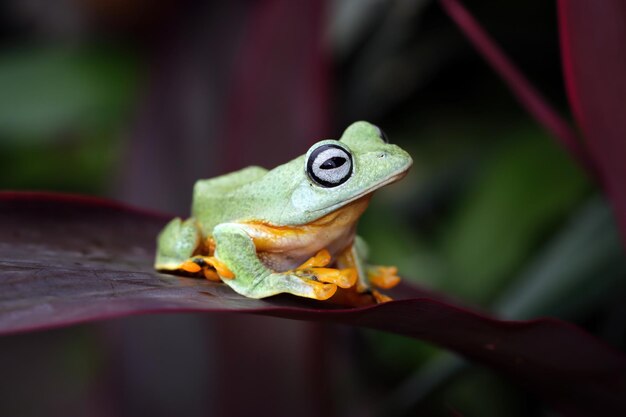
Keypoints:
pixel 228 182
pixel 213 201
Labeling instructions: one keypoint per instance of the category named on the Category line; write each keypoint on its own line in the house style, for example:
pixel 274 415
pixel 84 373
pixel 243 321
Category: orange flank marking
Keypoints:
pixel 321 259
pixel 384 277
pixel 267 237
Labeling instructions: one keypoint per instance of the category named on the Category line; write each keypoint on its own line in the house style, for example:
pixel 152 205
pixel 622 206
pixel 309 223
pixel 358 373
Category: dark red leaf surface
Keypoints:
pixel 593 45
pixel 66 260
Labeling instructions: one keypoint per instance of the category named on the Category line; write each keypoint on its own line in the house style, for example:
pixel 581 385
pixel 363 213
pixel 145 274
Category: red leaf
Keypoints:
pixel 528 96
pixel 593 44
pixel 279 94
pixel 67 260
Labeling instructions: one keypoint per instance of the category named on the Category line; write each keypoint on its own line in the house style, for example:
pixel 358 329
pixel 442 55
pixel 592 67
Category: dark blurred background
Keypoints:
pixel 136 100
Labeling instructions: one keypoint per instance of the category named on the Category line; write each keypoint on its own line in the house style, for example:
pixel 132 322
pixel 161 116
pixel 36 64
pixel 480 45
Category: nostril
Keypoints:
pixel 382 155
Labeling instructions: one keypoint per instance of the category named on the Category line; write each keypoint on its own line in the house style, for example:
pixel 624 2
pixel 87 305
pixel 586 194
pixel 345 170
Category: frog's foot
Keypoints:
pixel 384 277
pixel 285 282
pixel 380 297
pixel 310 288
pixel 320 259
pixel 211 267
pixel 344 278
pixel 314 269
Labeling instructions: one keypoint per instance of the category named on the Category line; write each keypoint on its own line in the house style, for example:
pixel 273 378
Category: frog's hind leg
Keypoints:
pixel 368 275
pixel 354 257
pixel 177 244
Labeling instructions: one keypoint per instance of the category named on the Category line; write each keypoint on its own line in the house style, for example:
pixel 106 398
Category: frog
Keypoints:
pixel 291 229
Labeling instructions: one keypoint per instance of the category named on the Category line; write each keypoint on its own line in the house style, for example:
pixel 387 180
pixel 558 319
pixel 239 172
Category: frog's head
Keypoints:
pixel 341 171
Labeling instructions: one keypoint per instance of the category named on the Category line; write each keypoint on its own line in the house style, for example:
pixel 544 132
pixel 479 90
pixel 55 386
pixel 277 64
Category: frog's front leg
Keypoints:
pixel 236 249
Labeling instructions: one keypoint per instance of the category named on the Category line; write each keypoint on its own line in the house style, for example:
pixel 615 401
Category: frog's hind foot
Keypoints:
pixel 383 277
pixel 198 267
pixel 208 266
pixel 380 297
pixel 291 283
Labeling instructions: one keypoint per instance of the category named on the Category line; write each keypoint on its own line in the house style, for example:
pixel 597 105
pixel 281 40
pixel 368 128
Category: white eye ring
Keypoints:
pixel 329 165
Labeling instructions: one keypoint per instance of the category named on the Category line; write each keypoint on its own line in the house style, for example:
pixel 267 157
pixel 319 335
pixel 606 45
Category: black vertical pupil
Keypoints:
pixel 332 163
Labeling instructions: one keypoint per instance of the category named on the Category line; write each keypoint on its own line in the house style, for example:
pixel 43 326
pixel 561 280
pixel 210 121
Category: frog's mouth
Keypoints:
pixel 397 176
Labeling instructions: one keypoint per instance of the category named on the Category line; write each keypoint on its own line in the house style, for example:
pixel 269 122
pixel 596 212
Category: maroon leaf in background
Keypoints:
pixel 593 46
pixel 528 96
pixel 279 94
pixel 68 259
pixel 593 39
pixel 233 84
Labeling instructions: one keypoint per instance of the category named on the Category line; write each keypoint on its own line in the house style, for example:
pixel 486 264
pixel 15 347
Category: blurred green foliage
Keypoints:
pixel 523 190
pixel 579 269
pixel 62 110
pixel 512 198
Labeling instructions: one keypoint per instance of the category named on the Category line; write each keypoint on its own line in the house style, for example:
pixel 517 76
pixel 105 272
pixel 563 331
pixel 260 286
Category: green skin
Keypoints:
pixel 284 196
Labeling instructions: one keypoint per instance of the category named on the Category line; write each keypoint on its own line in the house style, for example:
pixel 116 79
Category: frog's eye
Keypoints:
pixel 329 165
pixel 382 135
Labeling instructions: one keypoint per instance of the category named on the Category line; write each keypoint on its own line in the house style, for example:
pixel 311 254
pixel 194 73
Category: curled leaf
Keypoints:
pixel 593 35
pixel 532 100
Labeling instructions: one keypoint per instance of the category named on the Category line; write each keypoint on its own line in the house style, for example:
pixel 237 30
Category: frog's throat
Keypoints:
pixel 282 248
pixel 391 179
pixel 346 215
pixel 321 232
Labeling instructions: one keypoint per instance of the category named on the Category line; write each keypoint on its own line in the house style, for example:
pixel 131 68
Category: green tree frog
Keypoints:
pixel 291 229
